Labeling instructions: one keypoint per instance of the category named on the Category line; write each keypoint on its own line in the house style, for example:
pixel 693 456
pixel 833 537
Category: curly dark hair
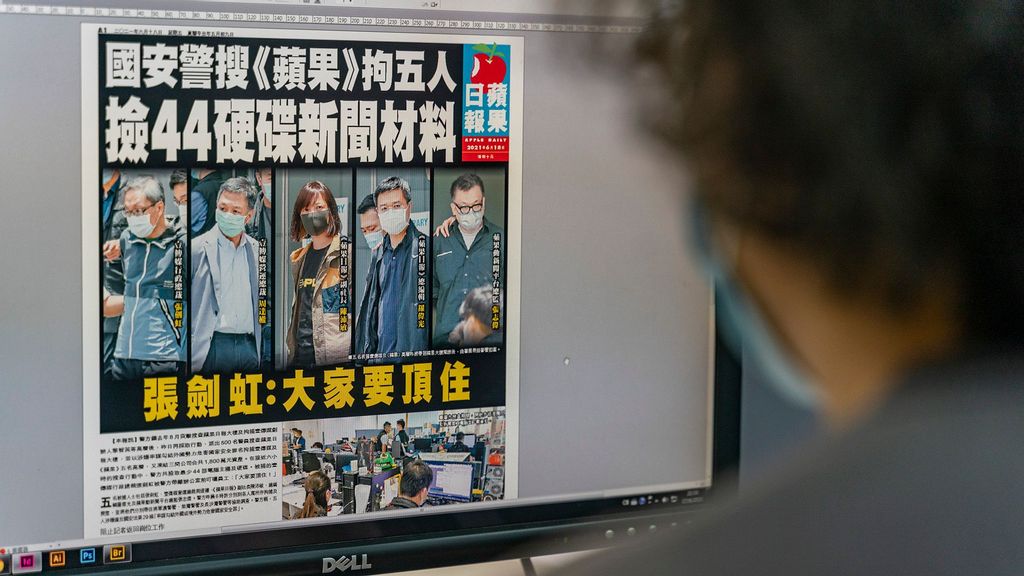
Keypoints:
pixel 885 142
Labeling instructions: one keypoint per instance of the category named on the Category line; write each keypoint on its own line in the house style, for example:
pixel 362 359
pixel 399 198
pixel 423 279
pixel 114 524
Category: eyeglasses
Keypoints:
pixel 138 212
pixel 467 209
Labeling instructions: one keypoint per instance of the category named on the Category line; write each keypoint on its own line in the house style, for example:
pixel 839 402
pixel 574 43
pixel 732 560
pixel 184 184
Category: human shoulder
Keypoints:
pixel 493 228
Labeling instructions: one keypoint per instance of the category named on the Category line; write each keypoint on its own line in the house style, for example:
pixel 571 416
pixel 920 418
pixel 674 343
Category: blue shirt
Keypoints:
pixel 393 269
pixel 235 295
pixel 197 207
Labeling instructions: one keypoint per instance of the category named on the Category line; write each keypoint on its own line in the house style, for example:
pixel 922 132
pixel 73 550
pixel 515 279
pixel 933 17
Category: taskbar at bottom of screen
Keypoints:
pixel 370 528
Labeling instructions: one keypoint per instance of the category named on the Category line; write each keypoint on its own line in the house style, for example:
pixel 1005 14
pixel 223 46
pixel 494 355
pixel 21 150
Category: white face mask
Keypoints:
pixel 373 239
pixel 394 221
pixel 140 225
pixel 471 222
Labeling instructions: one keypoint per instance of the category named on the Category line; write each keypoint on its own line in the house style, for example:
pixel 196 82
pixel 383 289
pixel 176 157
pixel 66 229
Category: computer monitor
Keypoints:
pixel 132 108
pixel 343 460
pixel 422 444
pixel 452 481
pixel 310 462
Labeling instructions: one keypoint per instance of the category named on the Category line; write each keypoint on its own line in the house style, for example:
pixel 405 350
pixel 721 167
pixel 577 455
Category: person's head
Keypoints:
pixel 144 206
pixel 400 423
pixel 460 436
pixel 318 494
pixel 235 202
pixel 475 313
pixel 296 432
pixel 369 222
pixel 860 176
pixel 179 187
pixel 318 445
pixel 315 212
pixel 415 483
pixel 393 199
pixel 387 427
pixel 262 177
pixel 468 202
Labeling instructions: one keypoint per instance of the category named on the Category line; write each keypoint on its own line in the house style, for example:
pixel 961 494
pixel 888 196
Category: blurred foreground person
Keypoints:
pixel 858 172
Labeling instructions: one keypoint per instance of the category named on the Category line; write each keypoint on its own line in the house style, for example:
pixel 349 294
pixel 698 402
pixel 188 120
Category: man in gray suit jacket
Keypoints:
pixel 225 289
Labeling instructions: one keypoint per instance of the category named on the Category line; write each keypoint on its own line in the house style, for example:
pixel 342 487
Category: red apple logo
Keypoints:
pixel 488 66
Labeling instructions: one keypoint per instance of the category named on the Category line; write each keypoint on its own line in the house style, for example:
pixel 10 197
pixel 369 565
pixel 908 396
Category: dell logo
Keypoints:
pixel 346 564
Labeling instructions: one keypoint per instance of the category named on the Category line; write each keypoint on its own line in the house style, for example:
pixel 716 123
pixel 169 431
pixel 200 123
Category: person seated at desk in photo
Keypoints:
pixel 413 488
pixel 318 494
pixel 459 445
pixel 298 442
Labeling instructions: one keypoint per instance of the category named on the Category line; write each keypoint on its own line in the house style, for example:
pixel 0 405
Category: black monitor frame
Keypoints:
pixel 468 535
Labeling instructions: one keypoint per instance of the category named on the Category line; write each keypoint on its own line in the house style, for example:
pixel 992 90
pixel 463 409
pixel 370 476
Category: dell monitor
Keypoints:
pixel 558 319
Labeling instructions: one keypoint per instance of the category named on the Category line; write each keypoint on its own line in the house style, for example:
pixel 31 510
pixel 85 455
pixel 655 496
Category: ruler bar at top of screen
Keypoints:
pixel 315 19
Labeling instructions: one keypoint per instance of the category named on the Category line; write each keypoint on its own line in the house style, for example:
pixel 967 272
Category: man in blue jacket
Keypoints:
pixel 392 314
pixel 152 331
pixel 225 286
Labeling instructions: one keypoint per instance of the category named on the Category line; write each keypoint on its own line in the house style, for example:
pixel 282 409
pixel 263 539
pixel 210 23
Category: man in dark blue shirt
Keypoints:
pixel 392 313
pixel 465 260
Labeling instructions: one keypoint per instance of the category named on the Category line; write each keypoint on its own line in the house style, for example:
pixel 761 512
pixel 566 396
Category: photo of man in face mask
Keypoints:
pixel 148 342
pixel 464 261
pixel 179 189
pixel 318 332
pixel 259 226
pixel 369 223
pixel 226 335
pixel 388 312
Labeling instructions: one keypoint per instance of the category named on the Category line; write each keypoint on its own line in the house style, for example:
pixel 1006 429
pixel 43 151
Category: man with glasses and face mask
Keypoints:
pixel 463 260
pixel 387 314
pixel 148 341
pixel 225 286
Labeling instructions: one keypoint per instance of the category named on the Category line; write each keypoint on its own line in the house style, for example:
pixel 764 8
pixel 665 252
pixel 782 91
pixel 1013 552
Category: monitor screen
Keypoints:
pixel 310 462
pixel 452 481
pixel 222 187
